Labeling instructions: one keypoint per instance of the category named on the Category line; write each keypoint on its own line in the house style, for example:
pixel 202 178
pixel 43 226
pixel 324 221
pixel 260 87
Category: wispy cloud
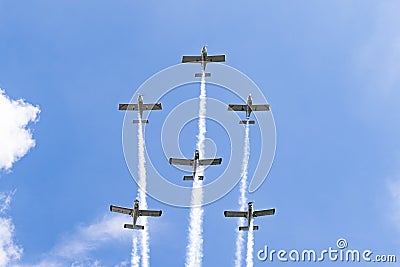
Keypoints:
pixel 89 238
pixel 15 142
pixel 74 248
pixel 15 138
pixel 5 200
pixel 9 251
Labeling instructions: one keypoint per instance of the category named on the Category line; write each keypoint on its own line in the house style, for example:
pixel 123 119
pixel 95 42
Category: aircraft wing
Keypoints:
pixel 259 107
pixel 128 106
pixel 259 213
pixel 203 162
pixel 188 162
pixel 157 106
pixel 218 58
pixel 232 107
pixel 121 210
pixel 189 59
pixel 155 213
pixel 228 213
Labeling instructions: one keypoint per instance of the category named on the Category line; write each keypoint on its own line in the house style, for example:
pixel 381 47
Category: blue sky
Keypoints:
pixel 329 70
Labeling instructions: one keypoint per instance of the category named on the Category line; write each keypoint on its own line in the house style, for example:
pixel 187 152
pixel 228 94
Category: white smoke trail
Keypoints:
pixel 194 252
pixel 242 197
pixel 250 246
pixel 144 238
pixel 134 257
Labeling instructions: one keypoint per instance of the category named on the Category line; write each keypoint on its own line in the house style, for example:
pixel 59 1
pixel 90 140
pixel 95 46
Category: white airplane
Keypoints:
pixel 204 58
pixel 249 107
pixel 140 107
pixel 249 214
pixel 135 213
pixel 194 162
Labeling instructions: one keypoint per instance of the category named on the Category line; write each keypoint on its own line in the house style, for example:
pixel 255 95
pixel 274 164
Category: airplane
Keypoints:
pixel 204 58
pixel 249 214
pixel 194 162
pixel 140 107
pixel 249 107
pixel 135 213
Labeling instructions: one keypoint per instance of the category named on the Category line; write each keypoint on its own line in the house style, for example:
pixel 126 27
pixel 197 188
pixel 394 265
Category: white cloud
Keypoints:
pixel 88 238
pixel 5 200
pixel 15 142
pixel 75 248
pixel 15 138
pixel 9 251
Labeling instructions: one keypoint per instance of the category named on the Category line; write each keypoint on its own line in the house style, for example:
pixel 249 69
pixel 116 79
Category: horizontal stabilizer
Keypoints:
pixel 199 75
pixel 190 178
pixel 246 122
pixel 246 228
pixel 143 121
pixel 130 226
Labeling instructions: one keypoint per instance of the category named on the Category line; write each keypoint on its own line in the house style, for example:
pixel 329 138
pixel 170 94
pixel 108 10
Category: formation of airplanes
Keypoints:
pixel 249 107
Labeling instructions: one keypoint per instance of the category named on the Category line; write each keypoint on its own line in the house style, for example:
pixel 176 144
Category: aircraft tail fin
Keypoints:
pixel 199 75
pixel 143 121
pixel 246 228
pixel 246 122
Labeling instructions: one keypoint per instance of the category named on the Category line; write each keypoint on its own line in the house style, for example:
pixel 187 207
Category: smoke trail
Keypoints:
pixel 144 238
pixel 194 252
pixel 242 197
pixel 250 246
pixel 135 258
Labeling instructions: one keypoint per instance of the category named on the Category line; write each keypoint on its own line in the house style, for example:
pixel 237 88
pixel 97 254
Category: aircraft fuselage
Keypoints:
pixel 140 105
pixel 135 214
pixel 204 58
pixel 196 158
pixel 249 213
pixel 248 109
